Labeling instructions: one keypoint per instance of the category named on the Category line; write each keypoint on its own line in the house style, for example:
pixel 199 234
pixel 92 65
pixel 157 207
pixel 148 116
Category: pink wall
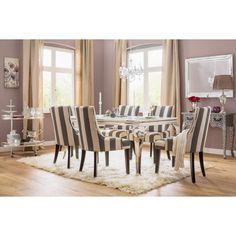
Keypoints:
pixel 10 48
pixel 199 48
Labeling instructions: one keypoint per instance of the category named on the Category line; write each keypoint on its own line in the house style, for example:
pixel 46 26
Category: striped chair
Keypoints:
pixel 196 139
pixel 126 110
pixel 156 132
pixel 91 139
pixel 63 131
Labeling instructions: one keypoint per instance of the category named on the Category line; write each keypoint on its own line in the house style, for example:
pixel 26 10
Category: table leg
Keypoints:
pixel 138 153
pixel 232 133
pixel 224 141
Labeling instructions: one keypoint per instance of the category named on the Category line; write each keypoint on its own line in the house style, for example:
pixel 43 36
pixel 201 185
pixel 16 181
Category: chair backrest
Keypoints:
pixel 198 131
pixel 63 130
pixel 162 111
pixel 126 110
pixel 89 135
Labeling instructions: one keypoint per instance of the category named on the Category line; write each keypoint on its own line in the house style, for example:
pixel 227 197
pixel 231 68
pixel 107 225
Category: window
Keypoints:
pixel 58 77
pixel 145 90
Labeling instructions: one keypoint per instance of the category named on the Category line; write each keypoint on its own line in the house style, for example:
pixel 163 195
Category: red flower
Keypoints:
pixel 194 99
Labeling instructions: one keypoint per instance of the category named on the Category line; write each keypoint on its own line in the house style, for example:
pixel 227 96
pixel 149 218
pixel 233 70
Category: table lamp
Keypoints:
pixel 223 82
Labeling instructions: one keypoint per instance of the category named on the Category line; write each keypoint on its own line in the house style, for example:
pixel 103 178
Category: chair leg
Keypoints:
pixel 69 156
pixel 82 160
pixel 168 155
pixel 95 164
pixel 131 149
pixel 173 161
pixel 153 150
pixel 127 159
pixel 107 158
pixel 57 148
pixel 151 144
pixel 77 152
pixel 60 148
pixel 157 155
pixel 192 167
pixel 202 163
pixel 71 151
pixel 98 157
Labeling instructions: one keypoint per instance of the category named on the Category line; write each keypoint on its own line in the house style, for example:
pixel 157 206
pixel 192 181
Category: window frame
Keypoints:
pixel 54 70
pixel 146 70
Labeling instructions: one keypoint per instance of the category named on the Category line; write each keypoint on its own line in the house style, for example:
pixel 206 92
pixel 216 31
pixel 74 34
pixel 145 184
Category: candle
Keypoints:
pixel 100 103
pixel 100 97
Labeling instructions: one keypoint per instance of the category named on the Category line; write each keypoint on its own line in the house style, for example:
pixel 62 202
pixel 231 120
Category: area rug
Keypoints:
pixel 113 176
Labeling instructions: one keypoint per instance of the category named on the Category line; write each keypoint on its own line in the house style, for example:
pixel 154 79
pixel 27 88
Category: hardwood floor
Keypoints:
pixel 17 179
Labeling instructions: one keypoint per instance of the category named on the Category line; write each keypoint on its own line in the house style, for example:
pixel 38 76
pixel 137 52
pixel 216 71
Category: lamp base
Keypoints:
pixel 222 102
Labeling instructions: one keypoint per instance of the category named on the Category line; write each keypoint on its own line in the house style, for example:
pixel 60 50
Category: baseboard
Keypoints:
pixel 46 143
pixel 217 151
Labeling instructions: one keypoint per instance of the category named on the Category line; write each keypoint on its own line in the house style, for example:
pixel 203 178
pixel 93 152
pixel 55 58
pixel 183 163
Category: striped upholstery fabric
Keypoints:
pixel 120 130
pixel 125 110
pixel 64 133
pixel 91 138
pixel 161 111
pixel 116 133
pixel 196 137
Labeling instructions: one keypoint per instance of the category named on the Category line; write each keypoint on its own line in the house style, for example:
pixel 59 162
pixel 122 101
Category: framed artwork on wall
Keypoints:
pixel 11 72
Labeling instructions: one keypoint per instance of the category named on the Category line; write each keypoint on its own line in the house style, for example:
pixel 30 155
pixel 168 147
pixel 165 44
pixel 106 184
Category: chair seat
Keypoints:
pixel 166 144
pixel 112 144
pixel 151 137
pixel 115 133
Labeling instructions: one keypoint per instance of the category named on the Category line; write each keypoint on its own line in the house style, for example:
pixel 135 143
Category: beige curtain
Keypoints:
pixel 84 72
pixel 119 85
pixel 170 91
pixel 32 81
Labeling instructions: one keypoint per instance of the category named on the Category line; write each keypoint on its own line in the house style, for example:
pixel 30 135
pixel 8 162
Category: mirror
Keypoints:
pixel 200 72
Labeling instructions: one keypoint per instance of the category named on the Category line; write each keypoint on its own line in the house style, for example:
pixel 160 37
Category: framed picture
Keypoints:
pixel 11 72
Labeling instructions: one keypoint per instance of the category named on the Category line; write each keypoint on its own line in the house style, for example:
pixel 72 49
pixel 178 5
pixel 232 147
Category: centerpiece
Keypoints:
pixel 194 102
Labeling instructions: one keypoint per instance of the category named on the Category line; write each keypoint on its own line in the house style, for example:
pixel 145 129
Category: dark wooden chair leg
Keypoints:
pixel 131 149
pixel 173 161
pixel 107 158
pixel 151 144
pixel 95 164
pixel 157 155
pixel 168 155
pixel 127 159
pixel 153 150
pixel 202 163
pixel 192 167
pixel 57 148
pixel 69 156
pixel 71 151
pixel 77 152
pixel 82 160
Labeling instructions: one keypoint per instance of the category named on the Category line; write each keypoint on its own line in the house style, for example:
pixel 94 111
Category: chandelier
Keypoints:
pixel 131 72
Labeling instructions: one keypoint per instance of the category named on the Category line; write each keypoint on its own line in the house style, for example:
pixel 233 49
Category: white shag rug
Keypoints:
pixel 114 175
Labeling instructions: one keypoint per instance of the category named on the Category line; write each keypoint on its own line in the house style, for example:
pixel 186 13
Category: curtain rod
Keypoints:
pixel 59 44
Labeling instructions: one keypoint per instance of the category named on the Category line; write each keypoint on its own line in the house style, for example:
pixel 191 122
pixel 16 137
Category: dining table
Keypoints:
pixel 139 125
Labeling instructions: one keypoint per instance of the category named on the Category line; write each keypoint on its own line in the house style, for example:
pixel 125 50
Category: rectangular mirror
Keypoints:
pixel 200 72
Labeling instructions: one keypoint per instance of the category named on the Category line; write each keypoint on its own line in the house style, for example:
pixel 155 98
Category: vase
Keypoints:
pixel 194 106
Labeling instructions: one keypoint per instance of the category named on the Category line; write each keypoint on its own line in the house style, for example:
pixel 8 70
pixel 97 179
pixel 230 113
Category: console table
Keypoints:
pixel 224 121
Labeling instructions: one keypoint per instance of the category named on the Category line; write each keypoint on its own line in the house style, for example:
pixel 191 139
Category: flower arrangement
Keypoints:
pixel 194 101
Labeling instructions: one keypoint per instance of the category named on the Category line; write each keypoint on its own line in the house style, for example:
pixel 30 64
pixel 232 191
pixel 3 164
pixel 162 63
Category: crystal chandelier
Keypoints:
pixel 131 72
